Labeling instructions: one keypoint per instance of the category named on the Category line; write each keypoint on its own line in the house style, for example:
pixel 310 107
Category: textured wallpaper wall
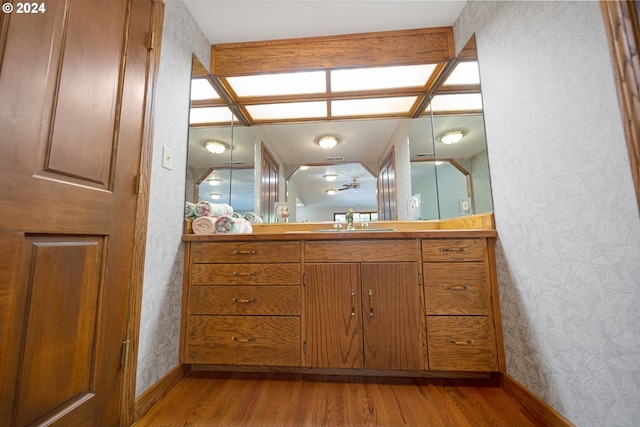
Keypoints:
pixel 569 228
pixel 162 289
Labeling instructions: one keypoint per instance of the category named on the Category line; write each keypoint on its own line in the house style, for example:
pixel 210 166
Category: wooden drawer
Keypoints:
pixel 246 274
pixel 361 251
pixel 461 343
pixel 244 340
pixel 456 288
pixel 245 252
pixel 234 300
pixel 454 249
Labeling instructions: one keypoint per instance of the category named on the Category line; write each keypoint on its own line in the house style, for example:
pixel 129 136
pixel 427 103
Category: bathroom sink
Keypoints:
pixel 333 230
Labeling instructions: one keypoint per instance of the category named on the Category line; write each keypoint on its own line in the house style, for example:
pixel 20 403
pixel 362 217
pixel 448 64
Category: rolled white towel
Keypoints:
pixel 206 208
pixel 253 218
pixel 241 226
pixel 204 225
pixel 203 208
pixel 224 224
pixel 229 224
pixel 226 208
pixel 189 210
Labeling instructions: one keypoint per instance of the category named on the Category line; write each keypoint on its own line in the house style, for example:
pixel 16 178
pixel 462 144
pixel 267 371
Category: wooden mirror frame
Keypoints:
pixel 622 26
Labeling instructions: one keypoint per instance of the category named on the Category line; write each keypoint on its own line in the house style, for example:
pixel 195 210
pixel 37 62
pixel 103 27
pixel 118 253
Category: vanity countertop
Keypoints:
pixel 341 235
pixel 481 225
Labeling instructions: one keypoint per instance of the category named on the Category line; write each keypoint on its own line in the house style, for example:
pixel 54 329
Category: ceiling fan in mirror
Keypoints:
pixel 354 185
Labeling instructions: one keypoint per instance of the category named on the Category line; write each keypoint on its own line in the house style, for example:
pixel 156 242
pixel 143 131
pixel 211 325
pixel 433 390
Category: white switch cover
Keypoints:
pixel 167 158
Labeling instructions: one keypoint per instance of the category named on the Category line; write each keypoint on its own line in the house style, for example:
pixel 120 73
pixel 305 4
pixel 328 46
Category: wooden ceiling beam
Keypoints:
pixel 403 47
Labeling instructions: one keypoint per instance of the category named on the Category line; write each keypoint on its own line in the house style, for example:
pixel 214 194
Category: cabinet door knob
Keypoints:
pixel 371 302
pixel 243 301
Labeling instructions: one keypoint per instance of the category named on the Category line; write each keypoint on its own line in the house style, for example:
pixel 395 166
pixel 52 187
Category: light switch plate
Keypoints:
pixel 465 205
pixel 167 158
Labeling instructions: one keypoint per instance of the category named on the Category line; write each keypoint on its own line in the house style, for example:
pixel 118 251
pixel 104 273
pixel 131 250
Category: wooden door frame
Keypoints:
pixel 264 151
pixel 623 32
pixel 383 193
pixel 128 386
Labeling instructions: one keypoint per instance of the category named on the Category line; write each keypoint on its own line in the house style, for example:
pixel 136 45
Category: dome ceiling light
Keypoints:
pixel 328 141
pixel 451 137
pixel 330 177
pixel 331 191
pixel 215 147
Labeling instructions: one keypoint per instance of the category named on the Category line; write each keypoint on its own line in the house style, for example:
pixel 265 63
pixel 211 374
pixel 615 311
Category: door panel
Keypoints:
pixel 88 132
pixel 334 323
pixel 72 121
pixel 392 320
pixel 56 370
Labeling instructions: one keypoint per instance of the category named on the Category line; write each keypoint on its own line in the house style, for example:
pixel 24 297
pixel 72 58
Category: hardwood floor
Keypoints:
pixel 293 400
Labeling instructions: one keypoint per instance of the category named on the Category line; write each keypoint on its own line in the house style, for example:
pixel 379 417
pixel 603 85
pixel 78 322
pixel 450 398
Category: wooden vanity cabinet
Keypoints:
pixel 363 305
pixel 243 304
pixel 405 303
pixel 459 305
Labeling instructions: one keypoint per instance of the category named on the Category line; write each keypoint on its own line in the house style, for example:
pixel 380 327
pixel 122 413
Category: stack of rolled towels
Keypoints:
pixel 218 218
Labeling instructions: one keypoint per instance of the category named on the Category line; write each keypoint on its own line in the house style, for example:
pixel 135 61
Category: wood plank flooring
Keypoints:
pixel 293 400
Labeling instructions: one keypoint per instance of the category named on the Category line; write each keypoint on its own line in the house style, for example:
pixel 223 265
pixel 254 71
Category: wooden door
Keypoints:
pixel 73 95
pixel 269 189
pixel 392 320
pixel 334 319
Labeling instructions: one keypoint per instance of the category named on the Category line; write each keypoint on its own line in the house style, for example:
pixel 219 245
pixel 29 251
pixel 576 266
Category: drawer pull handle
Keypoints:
pixel 465 342
pixel 243 301
pixel 456 288
pixel 252 339
pixel 253 273
pixel 370 302
pixel 239 252
pixel 453 249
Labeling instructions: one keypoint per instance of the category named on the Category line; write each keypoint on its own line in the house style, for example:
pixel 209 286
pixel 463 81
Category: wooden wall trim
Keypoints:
pixel 157 391
pixel 621 22
pixel 428 45
pixel 546 414
pixel 127 398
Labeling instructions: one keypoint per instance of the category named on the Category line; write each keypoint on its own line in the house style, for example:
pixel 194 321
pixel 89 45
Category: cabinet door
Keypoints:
pixel 334 317
pixel 392 319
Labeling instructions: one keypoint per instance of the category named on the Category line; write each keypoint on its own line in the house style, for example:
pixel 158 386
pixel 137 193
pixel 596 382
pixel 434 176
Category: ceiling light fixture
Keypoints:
pixel 328 141
pixel 330 177
pixel 215 147
pixel 452 137
pixel 215 196
pixel 331 191
pixel 214 181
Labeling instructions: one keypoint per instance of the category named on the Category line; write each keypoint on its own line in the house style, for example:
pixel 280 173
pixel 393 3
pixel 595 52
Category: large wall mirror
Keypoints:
pixel 434 177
